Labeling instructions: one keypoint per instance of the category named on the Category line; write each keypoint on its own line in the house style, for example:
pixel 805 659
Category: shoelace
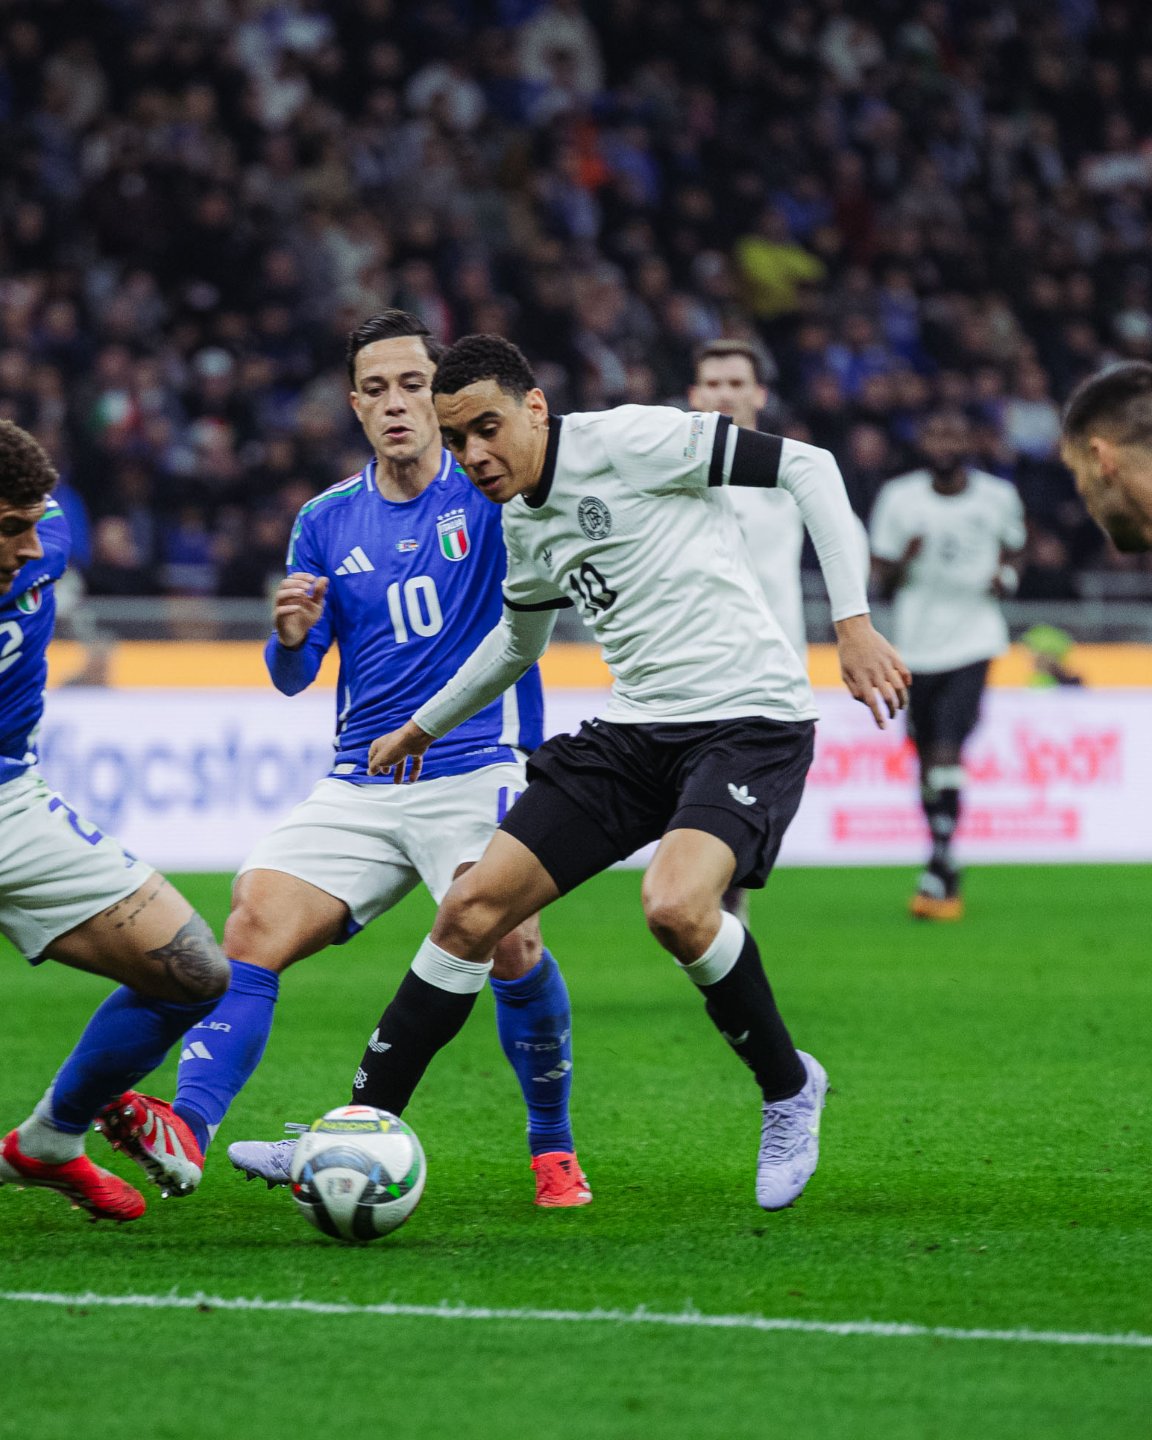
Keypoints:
pixel 787 1134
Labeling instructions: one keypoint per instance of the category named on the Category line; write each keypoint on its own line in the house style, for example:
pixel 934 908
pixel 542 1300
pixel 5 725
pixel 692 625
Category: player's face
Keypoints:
pixel 728 383
pixel 393 398
pixel 498 438
pixel 19 541
pixel 1115 483
pixel 946 442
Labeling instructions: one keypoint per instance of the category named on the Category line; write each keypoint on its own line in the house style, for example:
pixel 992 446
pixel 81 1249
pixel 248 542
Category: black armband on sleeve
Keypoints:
pixel 560 603
pixel 756 460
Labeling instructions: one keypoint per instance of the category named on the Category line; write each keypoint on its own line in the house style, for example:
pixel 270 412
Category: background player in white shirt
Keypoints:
pixel 70 893
pixel 707 737
pixel 1107 444
pixel 943 541
pixel 728 377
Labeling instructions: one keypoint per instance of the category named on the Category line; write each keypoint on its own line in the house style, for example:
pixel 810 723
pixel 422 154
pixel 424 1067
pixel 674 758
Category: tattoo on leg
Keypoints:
pixel 193 961
pixel 136 902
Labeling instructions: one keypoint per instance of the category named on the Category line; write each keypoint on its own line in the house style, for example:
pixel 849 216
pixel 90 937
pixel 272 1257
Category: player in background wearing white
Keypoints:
pixel 72 894
pixel 707 738
pixel 1107 444
pixel 729 378
pixel 400 567
pixel 944 542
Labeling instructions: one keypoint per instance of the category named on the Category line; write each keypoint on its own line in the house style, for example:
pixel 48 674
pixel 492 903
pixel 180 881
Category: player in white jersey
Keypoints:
pixel 728 377
pixel 708 734
pixel 944 540
pixel 1107 444
pixel 72 894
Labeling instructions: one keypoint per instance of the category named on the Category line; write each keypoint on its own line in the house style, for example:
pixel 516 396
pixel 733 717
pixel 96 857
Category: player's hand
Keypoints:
pixel 873 672
pixel 298 605
pixel 400 754
pixel 911 550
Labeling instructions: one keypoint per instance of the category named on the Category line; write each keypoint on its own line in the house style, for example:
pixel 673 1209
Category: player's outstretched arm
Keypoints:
pixel 500 659
pixel 872 669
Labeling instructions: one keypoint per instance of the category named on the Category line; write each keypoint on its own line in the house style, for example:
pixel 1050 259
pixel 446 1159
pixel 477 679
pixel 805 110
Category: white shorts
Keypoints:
pixel 369 845
pixel 56 869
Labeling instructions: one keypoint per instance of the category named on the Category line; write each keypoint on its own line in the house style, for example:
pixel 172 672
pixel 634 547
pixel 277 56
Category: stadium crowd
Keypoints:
pixel 901 202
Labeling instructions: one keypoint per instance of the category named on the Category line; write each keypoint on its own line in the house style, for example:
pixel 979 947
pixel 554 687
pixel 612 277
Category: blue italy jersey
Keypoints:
pixel 414 586
pixel 27 618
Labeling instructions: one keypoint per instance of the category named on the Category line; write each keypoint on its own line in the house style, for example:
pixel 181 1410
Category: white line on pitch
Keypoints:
pixel 688 1319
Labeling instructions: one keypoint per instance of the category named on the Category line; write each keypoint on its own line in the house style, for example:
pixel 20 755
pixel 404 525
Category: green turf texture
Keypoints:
pixel 986 1164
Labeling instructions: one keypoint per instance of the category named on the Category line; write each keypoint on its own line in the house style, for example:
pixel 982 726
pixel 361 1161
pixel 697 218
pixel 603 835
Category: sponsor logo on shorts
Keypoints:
pixel 740 794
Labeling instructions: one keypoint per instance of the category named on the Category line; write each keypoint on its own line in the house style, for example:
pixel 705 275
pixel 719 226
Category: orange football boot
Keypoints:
pixel 560 1182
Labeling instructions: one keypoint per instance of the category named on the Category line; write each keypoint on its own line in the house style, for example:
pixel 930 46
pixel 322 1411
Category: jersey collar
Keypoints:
pixel 540 495
pixel 445 470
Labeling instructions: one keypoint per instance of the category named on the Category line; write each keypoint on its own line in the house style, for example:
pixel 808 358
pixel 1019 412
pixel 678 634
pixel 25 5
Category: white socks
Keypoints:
pixel 721 955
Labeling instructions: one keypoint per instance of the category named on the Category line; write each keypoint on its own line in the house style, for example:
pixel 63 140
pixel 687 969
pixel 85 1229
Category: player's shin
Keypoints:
pixel 223 1050
pixel 740 1004
pixel 534 1020
pixel 429 1010
pixel 940 797
pixel 127 1038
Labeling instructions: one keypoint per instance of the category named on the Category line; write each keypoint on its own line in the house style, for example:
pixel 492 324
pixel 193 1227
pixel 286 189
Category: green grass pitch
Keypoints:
pixel 986 1166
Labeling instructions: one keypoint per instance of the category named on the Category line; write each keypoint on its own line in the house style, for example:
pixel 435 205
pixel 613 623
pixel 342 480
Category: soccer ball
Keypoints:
pixel 357 1173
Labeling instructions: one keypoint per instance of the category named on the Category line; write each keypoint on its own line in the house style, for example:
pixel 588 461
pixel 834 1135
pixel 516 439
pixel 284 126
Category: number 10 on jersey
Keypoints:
pixel 414 608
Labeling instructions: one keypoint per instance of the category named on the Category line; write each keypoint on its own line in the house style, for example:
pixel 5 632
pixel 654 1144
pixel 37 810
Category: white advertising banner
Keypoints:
pixel 190 779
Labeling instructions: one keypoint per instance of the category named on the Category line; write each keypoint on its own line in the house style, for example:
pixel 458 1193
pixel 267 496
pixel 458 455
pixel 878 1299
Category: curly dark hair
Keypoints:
pixel 26 473
pixel 1116 403
pixel 484 357
pixel 389 325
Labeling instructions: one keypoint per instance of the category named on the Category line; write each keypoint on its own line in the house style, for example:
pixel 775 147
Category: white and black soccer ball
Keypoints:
pixel 358 1172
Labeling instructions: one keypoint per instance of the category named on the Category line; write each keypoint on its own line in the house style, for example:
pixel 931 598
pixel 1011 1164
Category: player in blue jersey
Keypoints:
pixel 69 892
pixel 400 567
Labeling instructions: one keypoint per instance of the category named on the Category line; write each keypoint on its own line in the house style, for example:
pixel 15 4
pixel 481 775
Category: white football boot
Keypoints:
pixel 790 1141
pixel 267 1160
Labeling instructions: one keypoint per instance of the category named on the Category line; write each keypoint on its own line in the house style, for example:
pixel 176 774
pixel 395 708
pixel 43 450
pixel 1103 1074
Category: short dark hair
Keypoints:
pixel 389 325
pixel 1116 403
pixel 484 357
pixel 26 473
pixel 723 349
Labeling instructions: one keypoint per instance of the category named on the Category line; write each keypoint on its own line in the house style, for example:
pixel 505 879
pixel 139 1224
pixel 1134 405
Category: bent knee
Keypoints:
pixel 681 923
pixel 252 936
pixel 471 922
pixel 518 952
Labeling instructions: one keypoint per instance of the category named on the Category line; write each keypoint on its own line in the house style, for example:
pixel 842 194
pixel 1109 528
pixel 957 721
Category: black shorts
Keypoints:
pixel 596 796
pixel 944 708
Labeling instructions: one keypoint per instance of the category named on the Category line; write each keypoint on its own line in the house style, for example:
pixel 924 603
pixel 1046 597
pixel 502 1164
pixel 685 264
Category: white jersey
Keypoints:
pixel 773 532
pixel 629 522
pixel 945 614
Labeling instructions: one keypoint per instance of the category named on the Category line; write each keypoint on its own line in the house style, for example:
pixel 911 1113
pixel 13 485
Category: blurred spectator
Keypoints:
pixel 902 204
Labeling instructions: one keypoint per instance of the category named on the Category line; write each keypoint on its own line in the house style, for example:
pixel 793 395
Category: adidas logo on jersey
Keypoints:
pixel 740 794
pixel 355 563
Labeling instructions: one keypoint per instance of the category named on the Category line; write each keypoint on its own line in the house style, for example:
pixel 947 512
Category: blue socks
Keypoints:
pixel 126 1039
pixel 534 1020
pixel 221 1055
